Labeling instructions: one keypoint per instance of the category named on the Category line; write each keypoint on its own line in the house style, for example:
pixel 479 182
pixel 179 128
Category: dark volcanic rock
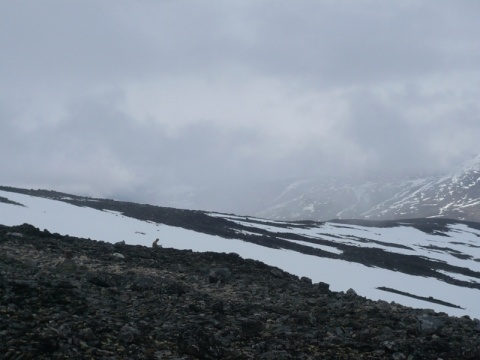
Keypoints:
pixel 63 297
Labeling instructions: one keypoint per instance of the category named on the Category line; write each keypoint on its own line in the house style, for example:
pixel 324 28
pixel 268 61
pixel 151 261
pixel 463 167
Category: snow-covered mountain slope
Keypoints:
pixel 422 263
pixel 321 200
pixel 455 196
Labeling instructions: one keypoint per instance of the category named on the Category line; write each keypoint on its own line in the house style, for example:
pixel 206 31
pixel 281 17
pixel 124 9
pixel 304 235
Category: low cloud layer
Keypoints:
pixel 134 98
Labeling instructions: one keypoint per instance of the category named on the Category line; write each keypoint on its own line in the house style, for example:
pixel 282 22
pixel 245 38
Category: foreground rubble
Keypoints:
pixel 64 297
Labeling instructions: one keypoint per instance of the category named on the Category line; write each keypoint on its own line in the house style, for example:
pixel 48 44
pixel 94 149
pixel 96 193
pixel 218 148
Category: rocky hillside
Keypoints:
pixel 65 297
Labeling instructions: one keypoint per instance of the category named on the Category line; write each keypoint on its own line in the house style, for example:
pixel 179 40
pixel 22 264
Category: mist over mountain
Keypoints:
pixel 454 195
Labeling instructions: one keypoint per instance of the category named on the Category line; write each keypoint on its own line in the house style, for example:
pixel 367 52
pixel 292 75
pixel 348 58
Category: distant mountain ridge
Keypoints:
pixel 455 195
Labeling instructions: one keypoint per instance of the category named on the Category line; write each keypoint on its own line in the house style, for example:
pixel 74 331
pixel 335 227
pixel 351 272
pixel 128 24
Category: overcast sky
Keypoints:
pixel 131 98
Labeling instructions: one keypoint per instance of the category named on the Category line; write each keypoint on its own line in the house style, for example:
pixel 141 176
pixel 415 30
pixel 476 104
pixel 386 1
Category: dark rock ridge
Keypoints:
pixel 64 297
pixel 7 201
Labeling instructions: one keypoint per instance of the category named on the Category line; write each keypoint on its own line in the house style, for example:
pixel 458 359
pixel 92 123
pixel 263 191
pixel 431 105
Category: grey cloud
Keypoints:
pixel 346 44
pixel 382 132
pixel 138 97
pixel 101 146
pixel 57 42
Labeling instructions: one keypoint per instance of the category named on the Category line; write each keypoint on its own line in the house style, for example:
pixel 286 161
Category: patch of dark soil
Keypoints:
pixel 8 201
pixel 429 298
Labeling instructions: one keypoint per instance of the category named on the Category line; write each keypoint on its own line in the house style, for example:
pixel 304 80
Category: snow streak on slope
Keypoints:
pixel 461 247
